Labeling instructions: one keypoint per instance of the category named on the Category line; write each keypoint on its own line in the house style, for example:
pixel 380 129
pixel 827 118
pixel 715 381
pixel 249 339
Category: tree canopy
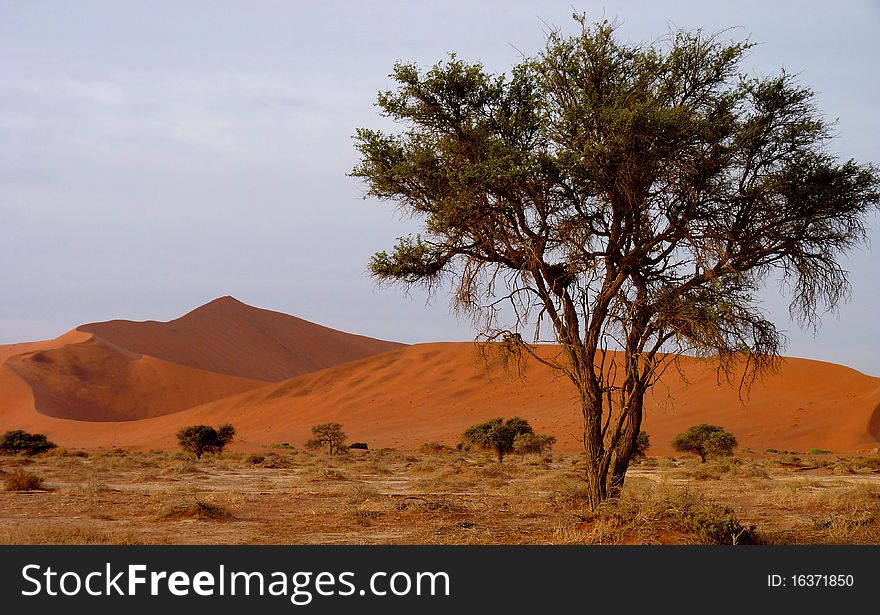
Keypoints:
pixel 706 441
pixel 497 434
pixel 201 439
pixel 613 195
pixel 18 441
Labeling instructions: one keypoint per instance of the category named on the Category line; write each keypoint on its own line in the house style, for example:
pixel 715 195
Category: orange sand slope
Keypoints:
pixel 434 391
pixel 122 370
pixel 230 337
pixel 398 398
pixel 95 381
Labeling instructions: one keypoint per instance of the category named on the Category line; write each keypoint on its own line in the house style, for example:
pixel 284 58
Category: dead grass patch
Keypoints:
pixel 22 480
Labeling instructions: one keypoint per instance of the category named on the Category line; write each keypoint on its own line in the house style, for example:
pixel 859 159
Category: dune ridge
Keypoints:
pixel 98 387
pixel 230 337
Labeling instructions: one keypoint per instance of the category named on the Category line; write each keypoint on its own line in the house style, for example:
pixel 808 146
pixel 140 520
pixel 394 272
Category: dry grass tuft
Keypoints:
pixel 21 480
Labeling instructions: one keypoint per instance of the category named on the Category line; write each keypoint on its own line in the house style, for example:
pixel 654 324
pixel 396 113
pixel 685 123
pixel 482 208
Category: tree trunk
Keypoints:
pixel 500 455
pixel 595 471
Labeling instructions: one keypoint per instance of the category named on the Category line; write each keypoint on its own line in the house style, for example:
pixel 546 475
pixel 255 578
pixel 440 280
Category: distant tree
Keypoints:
pixel 705 441
pixel 532 444
pixel 328 435
pixel 201 439
pixel 607 193
pixel 643 443
pixel 18 441
pixel 497 435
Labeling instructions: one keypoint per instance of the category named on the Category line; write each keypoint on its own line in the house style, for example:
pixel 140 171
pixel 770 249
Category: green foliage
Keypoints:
pixel 606 190
pixel 528 443
pixel 705 441
pixel 201 439
pixel 717 525
pixel 497 435
pixel 818 451
pixel 286 445
pixel 18 441
pixel 329 435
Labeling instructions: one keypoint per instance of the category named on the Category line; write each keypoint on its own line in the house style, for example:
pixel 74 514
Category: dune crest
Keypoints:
pixel 130 384
pixel 128 371
pixel 230 337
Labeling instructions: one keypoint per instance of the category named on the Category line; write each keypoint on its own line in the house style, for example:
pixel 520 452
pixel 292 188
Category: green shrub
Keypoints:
pixel 201 439
pixel 717 525
pixel 18 441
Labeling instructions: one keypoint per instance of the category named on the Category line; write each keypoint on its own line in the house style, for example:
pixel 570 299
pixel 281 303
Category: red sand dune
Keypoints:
pixel 230 337
pixel 123 370
pixel 414 394
pixel 95 381
pixel 434 391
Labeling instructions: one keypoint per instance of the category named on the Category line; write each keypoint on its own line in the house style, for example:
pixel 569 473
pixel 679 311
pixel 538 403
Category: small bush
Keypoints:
pixel 717 525
pixel 359 446
pixel 434 448
pixel 531 443
pixel 20 480
pixel 255 459
pixel 818 451
pixel 286 445
pixel 18 441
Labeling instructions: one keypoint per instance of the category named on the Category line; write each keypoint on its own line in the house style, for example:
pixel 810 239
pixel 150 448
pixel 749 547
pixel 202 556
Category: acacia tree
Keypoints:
pixel 630 196
pixel 705 441
pixel 497 434
pixel 329 435
pixel 201 439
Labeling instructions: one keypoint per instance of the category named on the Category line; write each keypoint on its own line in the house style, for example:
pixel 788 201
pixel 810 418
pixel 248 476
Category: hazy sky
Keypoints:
pixel 156 155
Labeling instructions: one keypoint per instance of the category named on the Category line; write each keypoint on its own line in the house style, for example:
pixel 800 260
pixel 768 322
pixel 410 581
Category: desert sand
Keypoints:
pixel 127 384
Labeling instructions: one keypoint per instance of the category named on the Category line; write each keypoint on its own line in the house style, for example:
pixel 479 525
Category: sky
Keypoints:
pixel 157 155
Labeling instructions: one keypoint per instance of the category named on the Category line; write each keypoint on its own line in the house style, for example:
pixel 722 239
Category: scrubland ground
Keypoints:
pixel 431 496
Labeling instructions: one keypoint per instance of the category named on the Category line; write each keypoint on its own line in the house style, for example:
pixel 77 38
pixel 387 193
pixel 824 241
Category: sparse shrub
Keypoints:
pixel 21 480
pixel 18 441
pixel 434 448
pixel 705 441
pixel 201 439
pixel 818 451
pixel 255 459
pixel 195 510
pixel 286 445
pixel 718 525
pixel 497 435
pixel 328 435
pixel 532 444
pixel 362 446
